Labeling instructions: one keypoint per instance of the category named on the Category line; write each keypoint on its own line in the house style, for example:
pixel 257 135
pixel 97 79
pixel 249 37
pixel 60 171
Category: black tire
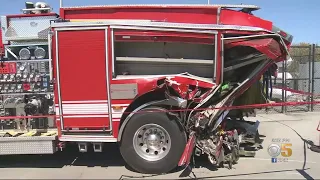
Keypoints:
pixel 177 136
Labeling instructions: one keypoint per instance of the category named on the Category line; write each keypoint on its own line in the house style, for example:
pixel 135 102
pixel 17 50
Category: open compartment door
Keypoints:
pixel 154 51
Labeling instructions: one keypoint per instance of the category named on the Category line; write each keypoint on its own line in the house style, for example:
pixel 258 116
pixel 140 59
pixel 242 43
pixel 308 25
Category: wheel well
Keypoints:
pixel 155 95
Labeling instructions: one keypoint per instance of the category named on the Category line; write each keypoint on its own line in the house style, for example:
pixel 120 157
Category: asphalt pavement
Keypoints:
pixel 302 164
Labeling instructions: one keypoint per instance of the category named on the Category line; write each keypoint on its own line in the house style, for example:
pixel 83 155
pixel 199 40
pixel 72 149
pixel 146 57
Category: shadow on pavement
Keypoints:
pixel 110 157
pixel 246 174
pixel 72 157
pixel 69 157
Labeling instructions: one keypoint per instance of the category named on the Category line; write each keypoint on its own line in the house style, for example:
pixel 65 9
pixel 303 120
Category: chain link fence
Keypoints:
pixel 298 80
pixel 316 78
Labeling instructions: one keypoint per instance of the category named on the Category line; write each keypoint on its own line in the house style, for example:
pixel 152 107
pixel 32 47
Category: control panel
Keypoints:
pixel 26 83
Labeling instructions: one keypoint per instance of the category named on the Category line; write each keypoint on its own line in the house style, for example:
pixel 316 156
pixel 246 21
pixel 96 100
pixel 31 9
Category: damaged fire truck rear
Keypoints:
pixel 150 77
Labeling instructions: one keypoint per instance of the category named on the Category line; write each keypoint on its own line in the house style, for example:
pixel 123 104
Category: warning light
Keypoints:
pixel 117 108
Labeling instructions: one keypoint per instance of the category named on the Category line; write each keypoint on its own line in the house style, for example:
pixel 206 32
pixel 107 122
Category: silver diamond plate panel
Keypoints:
pixel 170 5
pixel 28 28
pixel 39 41
pixel 123 91
pixel 27 145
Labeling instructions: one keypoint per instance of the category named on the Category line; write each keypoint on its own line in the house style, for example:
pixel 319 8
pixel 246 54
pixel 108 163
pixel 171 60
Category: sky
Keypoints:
pixel 298 18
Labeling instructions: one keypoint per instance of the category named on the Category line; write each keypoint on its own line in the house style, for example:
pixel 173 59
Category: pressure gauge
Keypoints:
pixel 39 53
pixel 31 75
pixel 24 54
pixel 25 76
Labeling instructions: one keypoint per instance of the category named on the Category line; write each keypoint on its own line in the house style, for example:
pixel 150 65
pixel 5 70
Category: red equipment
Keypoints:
pixel 103 68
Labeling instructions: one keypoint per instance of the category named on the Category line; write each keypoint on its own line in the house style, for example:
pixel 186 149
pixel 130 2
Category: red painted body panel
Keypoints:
pixel 82 53
pixel 8 68
pixel 90 123
pixel 173 14
pixel 186 155
pixel 183 14
pixel 269 46
pixel 121 101
pixel 115 125
pixel 191 81
pixel 231 17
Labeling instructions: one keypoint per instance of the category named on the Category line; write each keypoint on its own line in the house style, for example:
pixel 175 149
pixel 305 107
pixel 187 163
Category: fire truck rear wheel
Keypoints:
pixel 152 143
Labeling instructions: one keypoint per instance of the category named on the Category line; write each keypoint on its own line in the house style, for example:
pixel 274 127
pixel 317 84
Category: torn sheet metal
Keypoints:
pixel 267 46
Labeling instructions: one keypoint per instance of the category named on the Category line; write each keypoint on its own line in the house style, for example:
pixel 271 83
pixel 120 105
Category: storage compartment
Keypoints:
pixel 28 145
pixel 160 58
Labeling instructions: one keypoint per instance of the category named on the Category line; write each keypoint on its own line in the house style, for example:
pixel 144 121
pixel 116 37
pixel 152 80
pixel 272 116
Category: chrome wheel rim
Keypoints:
pixel 151 142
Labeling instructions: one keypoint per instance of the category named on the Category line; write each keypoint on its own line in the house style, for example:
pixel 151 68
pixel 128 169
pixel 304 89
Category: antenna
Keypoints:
pixel 61 3
pixel 208 1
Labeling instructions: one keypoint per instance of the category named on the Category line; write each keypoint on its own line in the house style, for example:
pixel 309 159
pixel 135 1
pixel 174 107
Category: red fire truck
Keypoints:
pixel 149 77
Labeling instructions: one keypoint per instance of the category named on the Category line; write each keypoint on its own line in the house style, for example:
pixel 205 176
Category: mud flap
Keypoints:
pixel 187 154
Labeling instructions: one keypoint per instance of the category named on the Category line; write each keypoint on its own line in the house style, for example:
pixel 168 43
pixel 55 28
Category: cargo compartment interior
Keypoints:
pixel 161 58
